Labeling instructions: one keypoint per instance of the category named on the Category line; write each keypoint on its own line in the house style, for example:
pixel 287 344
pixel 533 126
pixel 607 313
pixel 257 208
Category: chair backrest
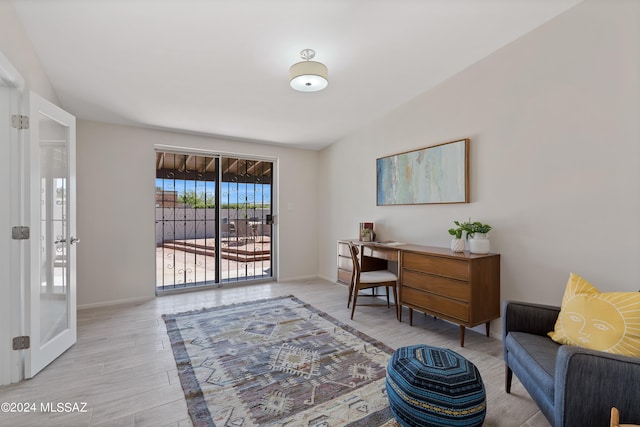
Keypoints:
pixel 354 259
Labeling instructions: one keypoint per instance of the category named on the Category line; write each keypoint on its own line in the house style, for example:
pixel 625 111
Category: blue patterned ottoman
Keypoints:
pixel 430 386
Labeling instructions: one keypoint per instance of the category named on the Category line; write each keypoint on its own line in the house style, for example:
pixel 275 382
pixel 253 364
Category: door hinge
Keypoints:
pixel 21 343
pixel 20 122
pixel 20 233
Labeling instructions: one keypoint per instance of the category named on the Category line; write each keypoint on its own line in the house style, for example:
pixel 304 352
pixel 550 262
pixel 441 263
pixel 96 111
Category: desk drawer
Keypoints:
pixel 345 263
pixel 380 253
pixel 437 284
pixel 456 269
pixel 344 276
pixel 436 303
pixel 343 249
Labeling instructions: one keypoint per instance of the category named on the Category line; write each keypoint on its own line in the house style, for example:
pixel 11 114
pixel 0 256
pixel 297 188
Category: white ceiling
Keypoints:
pixel 220 67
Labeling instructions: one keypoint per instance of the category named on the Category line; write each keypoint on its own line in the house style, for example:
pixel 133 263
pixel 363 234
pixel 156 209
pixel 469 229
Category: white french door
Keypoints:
pixel 51 298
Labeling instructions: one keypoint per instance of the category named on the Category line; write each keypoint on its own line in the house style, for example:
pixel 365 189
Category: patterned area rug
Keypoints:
pixel 278 362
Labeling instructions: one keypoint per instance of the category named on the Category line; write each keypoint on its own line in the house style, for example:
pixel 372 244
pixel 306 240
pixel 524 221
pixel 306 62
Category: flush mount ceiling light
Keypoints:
pixel 308 76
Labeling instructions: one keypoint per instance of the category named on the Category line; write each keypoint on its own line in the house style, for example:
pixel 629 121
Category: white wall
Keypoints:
pixel 18 49
pixel 116 207
pixel 555 157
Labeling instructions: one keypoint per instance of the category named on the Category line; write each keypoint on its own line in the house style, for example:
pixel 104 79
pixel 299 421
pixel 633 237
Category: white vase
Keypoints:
pixel 479 244
pixel 457 245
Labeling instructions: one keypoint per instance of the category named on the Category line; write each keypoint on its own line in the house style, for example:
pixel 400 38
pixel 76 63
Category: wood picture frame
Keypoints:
pixel 430 175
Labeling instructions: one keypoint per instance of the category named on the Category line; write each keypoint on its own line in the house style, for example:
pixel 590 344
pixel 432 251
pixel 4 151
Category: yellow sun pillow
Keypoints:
pixel 600 321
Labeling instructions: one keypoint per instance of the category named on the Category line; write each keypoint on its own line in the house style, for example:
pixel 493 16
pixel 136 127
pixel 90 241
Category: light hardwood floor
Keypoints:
pixel 123 368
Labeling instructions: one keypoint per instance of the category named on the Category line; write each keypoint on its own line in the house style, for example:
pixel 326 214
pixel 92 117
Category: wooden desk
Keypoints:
pixel 373 256
pixel 462 288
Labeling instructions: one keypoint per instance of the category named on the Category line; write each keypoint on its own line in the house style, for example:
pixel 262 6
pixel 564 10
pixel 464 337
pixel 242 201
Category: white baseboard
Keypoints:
pixel 298 278
pixel 114 302
pixel 328 279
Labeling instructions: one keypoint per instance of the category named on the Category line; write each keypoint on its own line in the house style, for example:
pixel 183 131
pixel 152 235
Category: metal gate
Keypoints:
pixel 213 220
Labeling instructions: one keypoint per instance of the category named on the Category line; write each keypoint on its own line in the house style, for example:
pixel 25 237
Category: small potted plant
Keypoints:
pixel 457 244
pixel 366 235
pixel 477 235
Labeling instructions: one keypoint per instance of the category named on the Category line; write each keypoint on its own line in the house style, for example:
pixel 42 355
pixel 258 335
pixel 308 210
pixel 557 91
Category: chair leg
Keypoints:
pixel 350 294
pixel 355 298
pixel 386 289
pixel 508 376
pixel 395 299
pixel 615 417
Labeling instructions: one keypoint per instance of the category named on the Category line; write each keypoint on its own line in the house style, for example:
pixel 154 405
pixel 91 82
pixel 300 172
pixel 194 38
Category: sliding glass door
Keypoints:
pixel 245 214
pixel 213 220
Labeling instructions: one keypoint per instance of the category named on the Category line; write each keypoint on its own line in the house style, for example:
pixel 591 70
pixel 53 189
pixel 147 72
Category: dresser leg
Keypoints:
pixel 462 336
pixel 488 326
pixel 410 316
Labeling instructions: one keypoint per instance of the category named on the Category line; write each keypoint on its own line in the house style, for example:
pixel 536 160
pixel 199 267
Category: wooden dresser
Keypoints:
pixel 463 288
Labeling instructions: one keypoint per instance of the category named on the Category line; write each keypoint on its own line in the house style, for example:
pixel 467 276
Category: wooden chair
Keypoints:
pixel 369 279
pixel 615 419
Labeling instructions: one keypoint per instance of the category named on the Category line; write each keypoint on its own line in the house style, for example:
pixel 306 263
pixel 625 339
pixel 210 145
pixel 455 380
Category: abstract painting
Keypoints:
pixel 436 174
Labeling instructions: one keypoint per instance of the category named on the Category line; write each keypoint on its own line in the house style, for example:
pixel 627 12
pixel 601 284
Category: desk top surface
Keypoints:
pixel 409 247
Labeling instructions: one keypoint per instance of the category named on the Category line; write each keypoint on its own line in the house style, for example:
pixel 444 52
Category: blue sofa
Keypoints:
pixel 572 386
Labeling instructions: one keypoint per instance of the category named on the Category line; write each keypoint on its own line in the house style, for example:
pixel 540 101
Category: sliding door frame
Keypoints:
pixel 274 209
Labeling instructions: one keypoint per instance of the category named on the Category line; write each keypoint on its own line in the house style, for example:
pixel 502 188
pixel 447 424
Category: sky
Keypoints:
pixel 232 192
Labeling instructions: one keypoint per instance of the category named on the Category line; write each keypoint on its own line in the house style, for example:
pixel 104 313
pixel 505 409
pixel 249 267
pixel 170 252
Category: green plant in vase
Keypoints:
pixel 476 227
pixel 477 232
pixel 457 244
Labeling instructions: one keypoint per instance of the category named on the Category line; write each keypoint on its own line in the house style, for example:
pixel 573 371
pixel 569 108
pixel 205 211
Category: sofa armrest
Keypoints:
pixel 588 383
pixel 537 319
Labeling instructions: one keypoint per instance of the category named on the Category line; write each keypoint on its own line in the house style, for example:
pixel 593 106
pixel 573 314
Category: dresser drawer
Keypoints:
pixel 456 269
pixel 437 285
pixel 435 303
pixel 381 253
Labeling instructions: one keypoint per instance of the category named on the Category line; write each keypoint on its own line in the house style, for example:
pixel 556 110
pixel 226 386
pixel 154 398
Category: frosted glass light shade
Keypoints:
pixel 308 76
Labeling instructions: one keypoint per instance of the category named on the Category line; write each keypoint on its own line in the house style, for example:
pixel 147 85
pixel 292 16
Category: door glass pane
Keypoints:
pixel 246 245
pixel 186 220
pixel 54 233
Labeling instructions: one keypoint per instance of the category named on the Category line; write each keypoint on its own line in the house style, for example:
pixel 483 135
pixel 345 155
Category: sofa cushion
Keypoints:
pixel 537 356
pixel 604 321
